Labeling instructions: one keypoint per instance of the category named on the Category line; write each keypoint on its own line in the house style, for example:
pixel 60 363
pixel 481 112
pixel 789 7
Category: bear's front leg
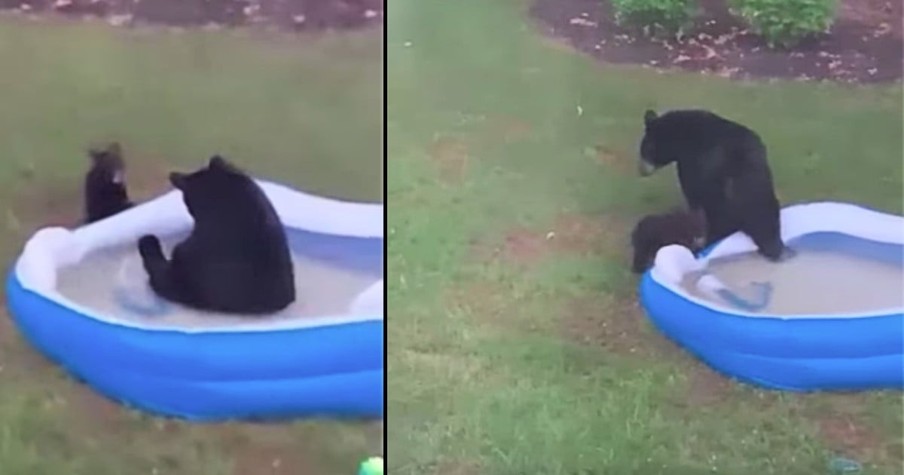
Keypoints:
pixel 151 251
pixel 159 270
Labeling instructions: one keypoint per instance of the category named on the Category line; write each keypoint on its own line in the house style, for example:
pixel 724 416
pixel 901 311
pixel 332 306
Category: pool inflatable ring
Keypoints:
pixel 787 352
pixel 252 369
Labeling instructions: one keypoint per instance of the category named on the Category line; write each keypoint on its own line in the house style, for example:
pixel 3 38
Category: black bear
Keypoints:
pixel 653 232
pixel 722 169
pixel 236 259
pixel 105 185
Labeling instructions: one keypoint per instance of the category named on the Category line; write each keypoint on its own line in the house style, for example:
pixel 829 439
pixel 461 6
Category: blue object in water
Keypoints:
pixel 844 466
pixel 763 302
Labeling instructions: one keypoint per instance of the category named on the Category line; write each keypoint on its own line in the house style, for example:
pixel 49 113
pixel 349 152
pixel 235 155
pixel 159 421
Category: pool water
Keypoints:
pixel 829 275
pixel 113 283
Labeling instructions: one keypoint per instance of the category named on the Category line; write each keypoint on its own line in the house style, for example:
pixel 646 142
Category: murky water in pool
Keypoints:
pixel 815 281
pixel 113 282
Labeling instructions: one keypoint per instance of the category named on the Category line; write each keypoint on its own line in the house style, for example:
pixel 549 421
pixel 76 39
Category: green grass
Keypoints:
pixel 536 360
pixel 301 110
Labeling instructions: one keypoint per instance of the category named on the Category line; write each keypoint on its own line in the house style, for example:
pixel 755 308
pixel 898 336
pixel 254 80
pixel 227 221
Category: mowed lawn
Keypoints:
pixel 516 345
pixel 306 111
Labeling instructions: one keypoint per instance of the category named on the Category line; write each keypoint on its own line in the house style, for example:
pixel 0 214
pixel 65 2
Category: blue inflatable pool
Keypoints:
pixel 858 347
pixel 232 368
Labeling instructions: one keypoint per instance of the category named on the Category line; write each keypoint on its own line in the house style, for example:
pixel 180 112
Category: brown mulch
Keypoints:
pixel 295 15
pixel 863 46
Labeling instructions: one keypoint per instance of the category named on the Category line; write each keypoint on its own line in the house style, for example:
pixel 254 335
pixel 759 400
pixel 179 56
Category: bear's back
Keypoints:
pixel 701 129
pixel 238 254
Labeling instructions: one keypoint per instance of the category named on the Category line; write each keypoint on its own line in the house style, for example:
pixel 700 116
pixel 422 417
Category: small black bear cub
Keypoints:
pixel 236 259
pixel 105 185
pixel 722 168
pixel 653 232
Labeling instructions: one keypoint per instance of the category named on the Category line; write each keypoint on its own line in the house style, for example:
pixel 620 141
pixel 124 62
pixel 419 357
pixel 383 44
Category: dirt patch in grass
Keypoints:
pixel 510 129
pixel 614 160
pixel 295 15
pixel 271 456
pixel 845 427
pixel 519 246
pixel 95 412
pixel 450 156
pixel 616 325
pixel 706 387
pixel 846 435
pixel 487 300
pixel 863 46
pixel 254 449
pixel 569 234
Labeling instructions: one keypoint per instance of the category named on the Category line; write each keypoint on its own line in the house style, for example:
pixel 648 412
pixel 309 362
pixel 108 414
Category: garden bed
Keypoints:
pixel 297 15
pixel 863 46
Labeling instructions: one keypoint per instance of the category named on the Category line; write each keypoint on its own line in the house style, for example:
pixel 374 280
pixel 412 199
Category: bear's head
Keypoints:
pixel 107 161
pixel 215 190
pixel 655 153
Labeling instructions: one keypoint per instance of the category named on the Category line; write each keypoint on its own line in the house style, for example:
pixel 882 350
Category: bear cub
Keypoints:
pixel 722 169
pixel 105 185
pixel 653 232
pixel 236 259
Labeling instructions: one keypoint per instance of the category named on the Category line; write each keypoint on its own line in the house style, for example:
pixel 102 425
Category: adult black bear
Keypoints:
pixel 105 185
pixel 722 168
pixel 236 259
pixel 653 232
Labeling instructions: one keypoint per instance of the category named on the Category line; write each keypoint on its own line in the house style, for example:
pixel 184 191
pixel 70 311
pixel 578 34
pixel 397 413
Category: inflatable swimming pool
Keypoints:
pixel 321 357
pixel 836 313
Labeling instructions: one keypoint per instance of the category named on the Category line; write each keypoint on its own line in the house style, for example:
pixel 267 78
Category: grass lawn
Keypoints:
pixel 515 342
pixel 302 110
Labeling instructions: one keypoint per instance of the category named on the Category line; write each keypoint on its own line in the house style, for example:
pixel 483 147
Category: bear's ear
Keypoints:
pixel 178 180
pixel 218 163
pixel 649 116
pixel 113 148
pixel 97 152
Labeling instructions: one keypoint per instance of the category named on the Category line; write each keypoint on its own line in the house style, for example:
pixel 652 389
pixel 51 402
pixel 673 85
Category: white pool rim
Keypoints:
pixel 329 366
pixel 672 263
pixel 50 249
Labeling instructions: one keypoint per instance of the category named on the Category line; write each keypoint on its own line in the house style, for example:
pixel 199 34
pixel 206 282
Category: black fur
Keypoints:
pixel 653 232
pixel 722 168
pixel 105 186
pixel 237 258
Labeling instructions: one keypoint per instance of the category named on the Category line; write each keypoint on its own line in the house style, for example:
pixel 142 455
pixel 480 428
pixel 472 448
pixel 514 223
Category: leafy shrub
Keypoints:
pixel 786 22
pixel 657 15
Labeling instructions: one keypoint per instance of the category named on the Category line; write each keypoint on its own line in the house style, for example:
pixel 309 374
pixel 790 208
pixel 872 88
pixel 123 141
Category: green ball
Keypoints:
pixel 372 466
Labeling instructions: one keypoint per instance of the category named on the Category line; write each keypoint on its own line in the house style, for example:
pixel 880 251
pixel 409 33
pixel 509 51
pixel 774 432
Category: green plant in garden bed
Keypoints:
pixel 655 15
pixel 786 22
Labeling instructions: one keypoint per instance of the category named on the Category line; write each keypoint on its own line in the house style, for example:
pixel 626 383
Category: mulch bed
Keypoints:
pixel 296 15
pixel 863 46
